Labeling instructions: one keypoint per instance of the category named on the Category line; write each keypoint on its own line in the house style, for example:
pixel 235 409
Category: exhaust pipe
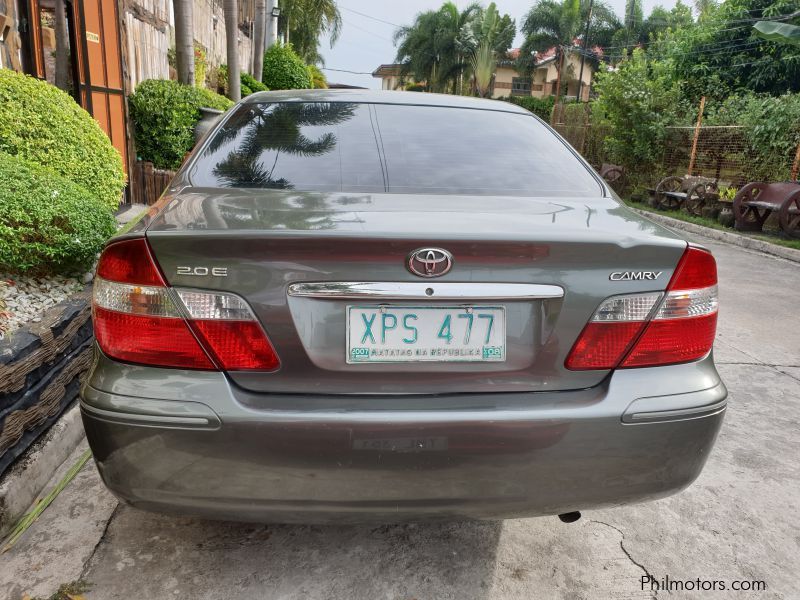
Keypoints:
pixel 570 517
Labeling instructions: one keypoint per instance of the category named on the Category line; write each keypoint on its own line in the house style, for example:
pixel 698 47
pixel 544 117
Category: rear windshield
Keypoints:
pixel 356 147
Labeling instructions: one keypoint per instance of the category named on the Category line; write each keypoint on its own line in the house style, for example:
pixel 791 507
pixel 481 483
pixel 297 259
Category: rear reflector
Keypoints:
pixel 138 319
pixel 644 330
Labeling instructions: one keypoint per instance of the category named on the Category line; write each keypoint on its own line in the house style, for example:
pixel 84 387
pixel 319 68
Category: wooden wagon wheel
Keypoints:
pixel 789 216
pixel 612 175
pixel 668 184
pixel 747 218
pixel 696 199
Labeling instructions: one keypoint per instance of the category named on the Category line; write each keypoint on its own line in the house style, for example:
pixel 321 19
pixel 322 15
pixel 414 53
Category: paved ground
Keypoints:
pixel 739 521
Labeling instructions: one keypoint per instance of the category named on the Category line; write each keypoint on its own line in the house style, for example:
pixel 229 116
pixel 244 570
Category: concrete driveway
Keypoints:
pixel 738 522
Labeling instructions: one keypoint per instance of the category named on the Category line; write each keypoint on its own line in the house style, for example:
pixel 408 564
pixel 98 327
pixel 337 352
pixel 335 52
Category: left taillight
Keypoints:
pixel 138 318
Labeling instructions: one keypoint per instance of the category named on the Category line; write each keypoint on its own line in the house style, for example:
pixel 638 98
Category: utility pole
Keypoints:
pixel 628 24
pixel 273 11
pixel 259 35
pixel 585 48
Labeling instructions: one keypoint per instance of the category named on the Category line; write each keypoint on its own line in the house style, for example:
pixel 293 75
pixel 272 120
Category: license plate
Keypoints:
pixel 392 334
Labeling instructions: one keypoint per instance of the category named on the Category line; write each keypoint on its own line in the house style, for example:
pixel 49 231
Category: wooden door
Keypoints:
pixel 100 68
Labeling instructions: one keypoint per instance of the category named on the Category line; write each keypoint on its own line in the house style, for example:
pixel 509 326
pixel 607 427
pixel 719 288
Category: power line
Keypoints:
pixel 367 31
pixel 665 41
pixel 371 17
pixel 345 71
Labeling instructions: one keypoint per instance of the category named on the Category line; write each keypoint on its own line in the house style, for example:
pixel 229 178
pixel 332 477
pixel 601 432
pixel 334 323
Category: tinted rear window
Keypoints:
pixel 353 147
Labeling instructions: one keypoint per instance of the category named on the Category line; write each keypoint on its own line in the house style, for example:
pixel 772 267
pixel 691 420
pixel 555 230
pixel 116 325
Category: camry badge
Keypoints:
pixel 430 262
pixel 634 275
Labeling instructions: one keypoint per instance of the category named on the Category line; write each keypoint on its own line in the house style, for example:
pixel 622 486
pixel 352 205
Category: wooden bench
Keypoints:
pixel 756 201
pixel 674 193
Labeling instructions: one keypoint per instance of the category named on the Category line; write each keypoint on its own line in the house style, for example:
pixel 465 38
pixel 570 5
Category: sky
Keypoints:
pixel 366 41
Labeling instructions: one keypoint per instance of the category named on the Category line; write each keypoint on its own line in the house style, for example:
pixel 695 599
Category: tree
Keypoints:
pixel 661 20
pixel 704 7
pixel 638 100
pixel 779 32
pixel 437 46
pixel 490 27
pixel 273 129
pixel 483 65
pixel 715 57
pixel 304 22
pixel 416 48
pixel 259 38
pixel 551 24
pixel 184 40
pixel 231 10
pixel 62 47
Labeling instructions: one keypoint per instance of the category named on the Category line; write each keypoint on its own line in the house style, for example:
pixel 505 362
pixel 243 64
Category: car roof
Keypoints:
pixel 384 97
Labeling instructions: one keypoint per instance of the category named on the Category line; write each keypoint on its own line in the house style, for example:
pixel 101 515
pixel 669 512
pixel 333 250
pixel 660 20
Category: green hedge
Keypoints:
pixel 164 114
pixel 48 224
pixel 284 69
pixel 541 107
pixel 251 84
pixel 42 124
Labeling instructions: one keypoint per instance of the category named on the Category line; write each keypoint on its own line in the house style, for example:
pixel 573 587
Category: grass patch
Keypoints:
pixel 686 217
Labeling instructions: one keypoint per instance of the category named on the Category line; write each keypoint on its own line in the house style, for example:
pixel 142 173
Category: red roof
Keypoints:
pixel 550 53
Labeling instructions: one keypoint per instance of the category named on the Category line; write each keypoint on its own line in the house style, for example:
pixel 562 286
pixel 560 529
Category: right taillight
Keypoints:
pixel 650 329
pixel 138 318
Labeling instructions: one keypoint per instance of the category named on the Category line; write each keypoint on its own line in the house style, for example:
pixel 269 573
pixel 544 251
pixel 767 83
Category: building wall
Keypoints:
pixel 544 78
pixel 390 82
pixel 150 33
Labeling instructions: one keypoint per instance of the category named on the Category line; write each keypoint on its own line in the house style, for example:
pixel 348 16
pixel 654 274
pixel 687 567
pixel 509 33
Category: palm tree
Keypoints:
pixel 230 9
pixel 62 46
pixel 184 40
pixel 259 39
pixel 557 24
pixel 703 7
pixel 269 130
pixel 305 21
pixel 550 24
pixel 416 48
pixel 436 47
pixel 452 39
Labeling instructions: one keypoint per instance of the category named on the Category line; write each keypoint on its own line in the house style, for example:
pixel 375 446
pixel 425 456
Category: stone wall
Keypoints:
pixel 41 369
pixel 149 34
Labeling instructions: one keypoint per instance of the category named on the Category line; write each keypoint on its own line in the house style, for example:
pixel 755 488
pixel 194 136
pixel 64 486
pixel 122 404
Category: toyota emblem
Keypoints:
pixel 430 262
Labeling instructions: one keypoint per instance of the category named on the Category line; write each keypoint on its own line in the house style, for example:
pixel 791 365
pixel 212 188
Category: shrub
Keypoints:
pixel 284 70
pixel 771 131
pixel 164 114
pixel 48 224
pixel 252 84
pixel 638 100
pixel 318 79
pixel 541 107
pixel 415 87
pixel 42 124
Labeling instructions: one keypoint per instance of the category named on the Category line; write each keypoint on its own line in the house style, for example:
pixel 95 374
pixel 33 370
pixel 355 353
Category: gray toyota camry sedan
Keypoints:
pixel 384 306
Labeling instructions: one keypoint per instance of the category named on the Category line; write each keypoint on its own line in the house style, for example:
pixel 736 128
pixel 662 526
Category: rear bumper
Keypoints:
pixel 209 449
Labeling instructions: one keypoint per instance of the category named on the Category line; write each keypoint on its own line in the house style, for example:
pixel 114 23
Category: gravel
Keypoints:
pixel 26 298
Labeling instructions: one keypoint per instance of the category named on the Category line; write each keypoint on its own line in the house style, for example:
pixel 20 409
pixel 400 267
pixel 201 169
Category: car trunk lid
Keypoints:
pixel 268 243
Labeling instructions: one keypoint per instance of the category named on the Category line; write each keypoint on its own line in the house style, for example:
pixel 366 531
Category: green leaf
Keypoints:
pixel 778 32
